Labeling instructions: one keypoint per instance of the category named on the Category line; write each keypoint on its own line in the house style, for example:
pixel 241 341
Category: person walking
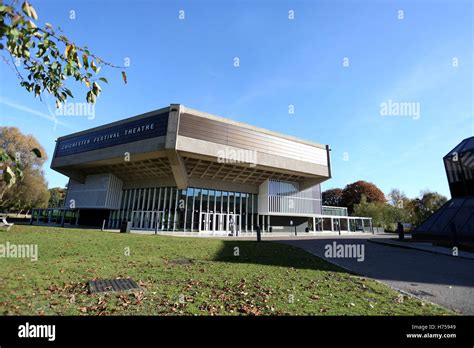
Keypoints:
pixel 231 226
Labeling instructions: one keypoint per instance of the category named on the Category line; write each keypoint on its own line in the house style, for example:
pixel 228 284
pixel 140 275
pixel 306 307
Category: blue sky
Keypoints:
pixel 282 62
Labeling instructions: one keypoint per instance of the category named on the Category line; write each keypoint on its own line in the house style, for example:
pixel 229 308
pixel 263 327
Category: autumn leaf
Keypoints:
pixel 15 19
pixel 68 49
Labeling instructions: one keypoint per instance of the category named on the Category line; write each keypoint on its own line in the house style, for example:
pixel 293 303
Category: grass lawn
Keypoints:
pixel 263 279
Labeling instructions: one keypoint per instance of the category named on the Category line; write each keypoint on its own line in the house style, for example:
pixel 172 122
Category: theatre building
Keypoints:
pixel 179 169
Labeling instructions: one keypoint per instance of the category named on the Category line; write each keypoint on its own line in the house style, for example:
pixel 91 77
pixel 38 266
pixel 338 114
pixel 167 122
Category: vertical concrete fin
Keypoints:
pixel 173 125
pixel 177 164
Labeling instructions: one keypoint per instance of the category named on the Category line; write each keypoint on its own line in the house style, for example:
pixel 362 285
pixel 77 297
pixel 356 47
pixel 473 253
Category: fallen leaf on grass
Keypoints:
pixel 399 299
pixel 250 310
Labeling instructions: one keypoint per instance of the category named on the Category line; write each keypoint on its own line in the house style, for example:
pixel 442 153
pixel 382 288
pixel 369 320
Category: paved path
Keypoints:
pixel 442 279
pixel 429 247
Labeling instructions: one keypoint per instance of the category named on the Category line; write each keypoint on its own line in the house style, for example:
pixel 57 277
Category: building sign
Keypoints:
pixel 149 127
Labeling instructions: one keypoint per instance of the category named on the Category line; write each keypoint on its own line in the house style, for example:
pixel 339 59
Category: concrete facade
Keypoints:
pixel 157 166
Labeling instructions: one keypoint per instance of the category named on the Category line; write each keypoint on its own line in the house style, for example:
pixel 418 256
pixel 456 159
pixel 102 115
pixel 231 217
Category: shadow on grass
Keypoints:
pixel 272 254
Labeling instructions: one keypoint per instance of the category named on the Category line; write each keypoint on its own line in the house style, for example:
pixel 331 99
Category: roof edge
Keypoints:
pixel 462 148
pixel 199 114
pixel 249 126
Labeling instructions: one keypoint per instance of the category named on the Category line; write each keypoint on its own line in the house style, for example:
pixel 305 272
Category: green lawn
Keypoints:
pixel 264 279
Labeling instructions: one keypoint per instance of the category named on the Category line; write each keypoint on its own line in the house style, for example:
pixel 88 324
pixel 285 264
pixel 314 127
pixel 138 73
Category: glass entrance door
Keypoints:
pixel 204 222
pixel 233 224
pixel 217 222
pixel 220 222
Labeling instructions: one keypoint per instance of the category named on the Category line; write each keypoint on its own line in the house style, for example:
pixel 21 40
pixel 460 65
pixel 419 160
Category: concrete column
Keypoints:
pixel 175 217
pixel 192 212
pixel 62 217
pixel 178 167
pixel 185 210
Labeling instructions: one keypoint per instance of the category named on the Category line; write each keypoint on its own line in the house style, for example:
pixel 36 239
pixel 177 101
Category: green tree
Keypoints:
pixel 397 198
pixel 382 214
pixel 424 206
pixel 57 196
pixel 31 192
pixel 46 57
pixel 370 209
pixel 332 197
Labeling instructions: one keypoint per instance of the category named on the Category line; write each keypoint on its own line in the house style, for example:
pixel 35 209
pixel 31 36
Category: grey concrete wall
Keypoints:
pixel 102 191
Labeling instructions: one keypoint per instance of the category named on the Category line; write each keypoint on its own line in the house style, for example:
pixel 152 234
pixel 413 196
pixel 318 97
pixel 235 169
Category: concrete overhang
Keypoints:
pixel 191 148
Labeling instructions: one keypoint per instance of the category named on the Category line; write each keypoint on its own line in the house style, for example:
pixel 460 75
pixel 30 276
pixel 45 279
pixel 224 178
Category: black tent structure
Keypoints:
pixel 454 221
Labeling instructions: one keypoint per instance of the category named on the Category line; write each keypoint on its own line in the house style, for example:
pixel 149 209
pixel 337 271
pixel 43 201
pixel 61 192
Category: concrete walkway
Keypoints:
pixel 428 247
pixel 249 235
pixel 442 279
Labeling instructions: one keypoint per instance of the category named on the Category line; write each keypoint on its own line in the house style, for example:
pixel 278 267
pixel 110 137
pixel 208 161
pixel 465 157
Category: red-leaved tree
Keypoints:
pixel 352 194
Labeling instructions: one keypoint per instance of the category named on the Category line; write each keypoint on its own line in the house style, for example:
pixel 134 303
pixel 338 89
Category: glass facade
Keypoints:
pixel 336 211
pixel 168 209
pixel 189 210
pixel 55 216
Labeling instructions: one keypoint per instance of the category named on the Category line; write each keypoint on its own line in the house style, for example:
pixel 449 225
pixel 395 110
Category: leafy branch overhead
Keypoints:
pixel 11 170
pixel 47 58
